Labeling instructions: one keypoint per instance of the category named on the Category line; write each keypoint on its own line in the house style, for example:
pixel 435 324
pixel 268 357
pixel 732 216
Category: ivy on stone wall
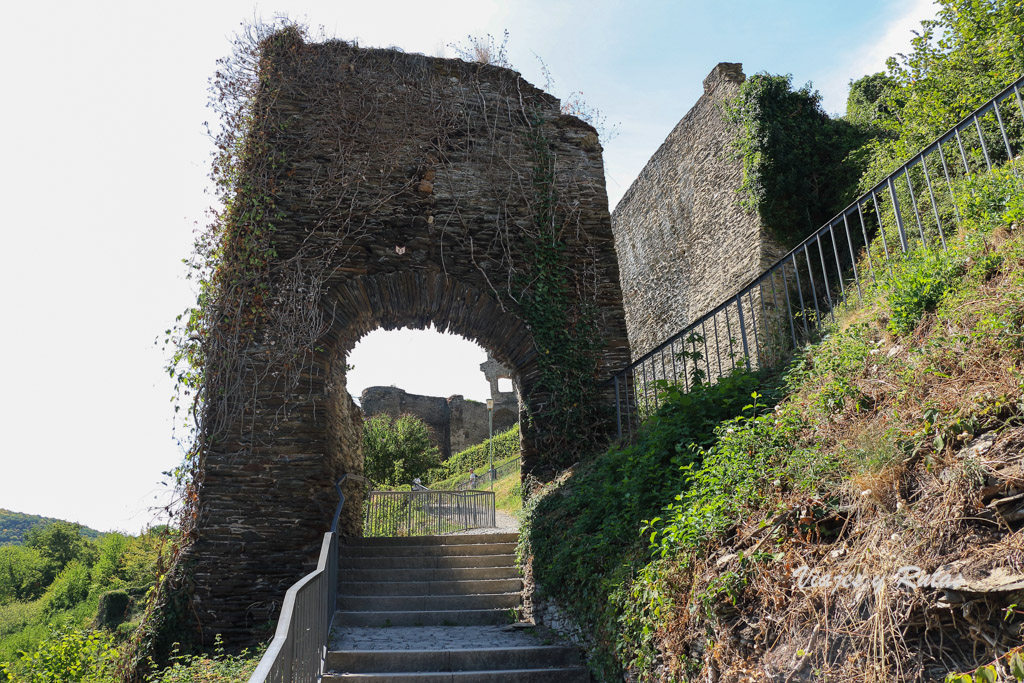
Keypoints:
pixel 563 326
pixel 798 170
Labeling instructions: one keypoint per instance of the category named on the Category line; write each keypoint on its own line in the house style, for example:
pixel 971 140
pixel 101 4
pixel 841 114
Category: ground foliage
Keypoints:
pixel 864 467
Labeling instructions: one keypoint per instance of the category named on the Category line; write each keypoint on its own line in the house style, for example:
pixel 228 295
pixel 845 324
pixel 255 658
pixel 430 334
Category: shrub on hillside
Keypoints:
pixel 584 535
pixel 506 445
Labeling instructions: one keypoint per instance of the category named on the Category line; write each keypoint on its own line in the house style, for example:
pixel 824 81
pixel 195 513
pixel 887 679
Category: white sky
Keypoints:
pixel 105 162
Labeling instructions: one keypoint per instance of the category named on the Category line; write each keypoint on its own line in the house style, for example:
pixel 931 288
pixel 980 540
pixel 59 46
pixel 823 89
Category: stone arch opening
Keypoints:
pixel 386 190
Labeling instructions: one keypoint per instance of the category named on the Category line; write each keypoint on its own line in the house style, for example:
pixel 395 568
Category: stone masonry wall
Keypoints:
pixel 683 242
pixel 401 196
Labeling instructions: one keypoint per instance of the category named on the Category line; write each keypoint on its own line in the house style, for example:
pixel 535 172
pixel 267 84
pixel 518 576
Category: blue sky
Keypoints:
pixel 105 163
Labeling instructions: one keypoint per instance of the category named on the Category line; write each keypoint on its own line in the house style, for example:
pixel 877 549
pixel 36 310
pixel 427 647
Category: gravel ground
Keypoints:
pixel 504 524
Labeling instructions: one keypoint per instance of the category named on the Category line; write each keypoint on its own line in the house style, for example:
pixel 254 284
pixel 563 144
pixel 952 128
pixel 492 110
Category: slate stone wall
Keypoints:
pixel 684 244
pixel 402 196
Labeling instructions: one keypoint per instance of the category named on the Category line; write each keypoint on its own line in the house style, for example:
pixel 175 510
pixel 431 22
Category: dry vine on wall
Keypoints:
pixel 338 167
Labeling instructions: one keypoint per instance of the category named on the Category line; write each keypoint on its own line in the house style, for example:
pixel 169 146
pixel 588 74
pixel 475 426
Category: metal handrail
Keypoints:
pixel 766 330
pixel 426 512
pixel 296 653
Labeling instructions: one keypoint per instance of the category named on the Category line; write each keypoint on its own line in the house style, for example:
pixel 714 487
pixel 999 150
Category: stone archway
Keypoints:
pixel 391 190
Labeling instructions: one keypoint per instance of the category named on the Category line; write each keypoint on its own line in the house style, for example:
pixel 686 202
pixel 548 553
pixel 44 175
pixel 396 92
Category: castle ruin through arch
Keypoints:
pixel 398 191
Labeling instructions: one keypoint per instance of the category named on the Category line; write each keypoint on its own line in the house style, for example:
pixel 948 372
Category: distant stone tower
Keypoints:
pixel 506 403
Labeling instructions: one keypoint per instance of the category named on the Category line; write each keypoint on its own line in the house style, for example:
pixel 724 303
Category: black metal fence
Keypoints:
pixel 781 309
pixel 426 512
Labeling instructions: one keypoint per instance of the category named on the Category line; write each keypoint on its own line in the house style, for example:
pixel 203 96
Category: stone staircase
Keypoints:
pixel 438 608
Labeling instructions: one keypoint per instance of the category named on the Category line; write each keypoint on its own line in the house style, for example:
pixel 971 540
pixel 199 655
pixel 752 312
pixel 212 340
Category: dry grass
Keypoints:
pixel 905 501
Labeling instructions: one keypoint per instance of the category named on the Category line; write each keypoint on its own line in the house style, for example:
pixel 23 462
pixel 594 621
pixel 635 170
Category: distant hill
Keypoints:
pixel 13 526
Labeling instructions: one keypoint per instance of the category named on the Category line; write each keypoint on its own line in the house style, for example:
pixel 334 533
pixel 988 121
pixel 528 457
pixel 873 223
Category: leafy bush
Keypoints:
pixel 66 657
pixel 917 286
pixel 994 198
pixel 584 535
pixel 217 667
pixel 797 172
pixel 24 573
pixel 69 589
pixel 397 450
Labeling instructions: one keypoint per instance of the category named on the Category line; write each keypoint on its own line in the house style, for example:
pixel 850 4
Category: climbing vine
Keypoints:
pixel 314 191
pixel 563 324
pixel 798 170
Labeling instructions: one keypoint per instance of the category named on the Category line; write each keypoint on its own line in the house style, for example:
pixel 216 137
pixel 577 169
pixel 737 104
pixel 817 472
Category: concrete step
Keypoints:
pixel 390 603
pixel 470 659
pixel 454 617
pixel 425 562
pixel 466 539
pixel 471 587
pixel 489 548
pixel 430 574
pixel 563 675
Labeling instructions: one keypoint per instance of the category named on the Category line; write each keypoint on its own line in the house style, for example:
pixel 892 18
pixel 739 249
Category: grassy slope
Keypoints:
pixel 892 443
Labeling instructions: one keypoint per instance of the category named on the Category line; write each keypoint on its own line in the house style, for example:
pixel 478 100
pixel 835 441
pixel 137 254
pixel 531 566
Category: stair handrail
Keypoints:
pixel 300 640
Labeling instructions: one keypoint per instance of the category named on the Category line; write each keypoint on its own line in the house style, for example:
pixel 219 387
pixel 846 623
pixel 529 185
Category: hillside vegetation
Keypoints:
pixel 14 526
pixel 809 524
pixel 68 603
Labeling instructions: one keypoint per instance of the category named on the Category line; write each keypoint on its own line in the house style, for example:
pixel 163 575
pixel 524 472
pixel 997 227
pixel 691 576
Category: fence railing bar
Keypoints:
pixel 935 206
pixel 949 186
pixel 835 255
pixel 729 339
pixel 853 256
pixel 913 203
pixel 824 273
pixel 753 327
pixel 743 331
pixel 867 242
pixel 789 307
pixel 984 147
pixel 800 293
pixel 1002 131
pixel 963 154
pixel 814 289
pixel 764 315
pixel 899 217
pixel 881 231
pixel 718 345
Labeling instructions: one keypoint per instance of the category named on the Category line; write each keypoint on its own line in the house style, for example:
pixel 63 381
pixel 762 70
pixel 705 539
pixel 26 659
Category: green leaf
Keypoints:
pixel 986 674
pixel 1017 666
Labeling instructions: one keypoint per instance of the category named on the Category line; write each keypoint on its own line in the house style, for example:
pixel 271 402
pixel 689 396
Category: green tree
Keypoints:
pixel 871 102
pixel 957 61
pixel 59 543
pixel 396 451
pixel 24 573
